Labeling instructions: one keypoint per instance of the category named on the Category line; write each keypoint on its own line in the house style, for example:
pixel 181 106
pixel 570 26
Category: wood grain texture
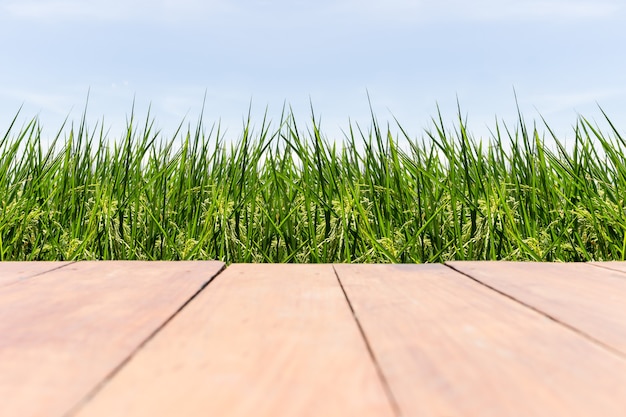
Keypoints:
pixel 63 333
pixel 588 298
pixel 11 272
pixel 261 340
pixel 449 346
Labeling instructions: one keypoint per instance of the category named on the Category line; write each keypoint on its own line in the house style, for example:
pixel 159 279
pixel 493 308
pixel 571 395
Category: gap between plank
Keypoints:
pixel 72 411
pixel 40 273
pixel 576 330
pixel 605 267
pixel 379 371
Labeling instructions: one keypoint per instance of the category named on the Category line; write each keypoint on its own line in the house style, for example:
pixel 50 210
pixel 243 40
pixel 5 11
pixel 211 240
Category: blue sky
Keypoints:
pixel 561 57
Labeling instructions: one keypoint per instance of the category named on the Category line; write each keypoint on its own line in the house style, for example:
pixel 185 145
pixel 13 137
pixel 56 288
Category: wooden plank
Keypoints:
pixel 63 333
pixel 261 340
pixel 448 346
pixel 615 265
pixel 11 272
pixel 588 298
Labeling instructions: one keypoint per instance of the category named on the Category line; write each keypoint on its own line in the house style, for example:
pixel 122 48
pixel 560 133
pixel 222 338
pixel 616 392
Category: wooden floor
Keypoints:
pixel 197 339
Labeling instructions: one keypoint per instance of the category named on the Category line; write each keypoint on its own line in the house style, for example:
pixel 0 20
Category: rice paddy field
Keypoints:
pixel 283 192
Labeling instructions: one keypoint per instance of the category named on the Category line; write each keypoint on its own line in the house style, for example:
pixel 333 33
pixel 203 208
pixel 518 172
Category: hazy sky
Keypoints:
pixel 561 57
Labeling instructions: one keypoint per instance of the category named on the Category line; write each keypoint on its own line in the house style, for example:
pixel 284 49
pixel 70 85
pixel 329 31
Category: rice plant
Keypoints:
pixel 283 192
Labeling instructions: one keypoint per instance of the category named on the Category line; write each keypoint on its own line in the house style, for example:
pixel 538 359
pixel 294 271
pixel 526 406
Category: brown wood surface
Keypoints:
pixel 583 296
pixel 449 346
pixel 11 272
pixel 261 340
pixel 64 332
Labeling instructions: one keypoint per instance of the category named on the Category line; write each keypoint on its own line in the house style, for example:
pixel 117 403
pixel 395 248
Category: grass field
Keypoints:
pixel 282 192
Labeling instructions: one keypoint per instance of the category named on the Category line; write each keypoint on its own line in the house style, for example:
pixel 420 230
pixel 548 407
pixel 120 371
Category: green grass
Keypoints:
pixel 281 193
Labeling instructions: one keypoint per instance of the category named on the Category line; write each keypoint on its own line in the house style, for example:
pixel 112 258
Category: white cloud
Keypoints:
pixel 59 104
pixel 540 10
pixel 354 10
pixel 549 103
pixel 481 10
pixel 60 10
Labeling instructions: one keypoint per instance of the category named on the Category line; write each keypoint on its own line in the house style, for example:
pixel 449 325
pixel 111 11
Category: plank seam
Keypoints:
pixel 605 267
pixel 80 404
pixel 379 371
pixel 22 279
pixel 581 333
